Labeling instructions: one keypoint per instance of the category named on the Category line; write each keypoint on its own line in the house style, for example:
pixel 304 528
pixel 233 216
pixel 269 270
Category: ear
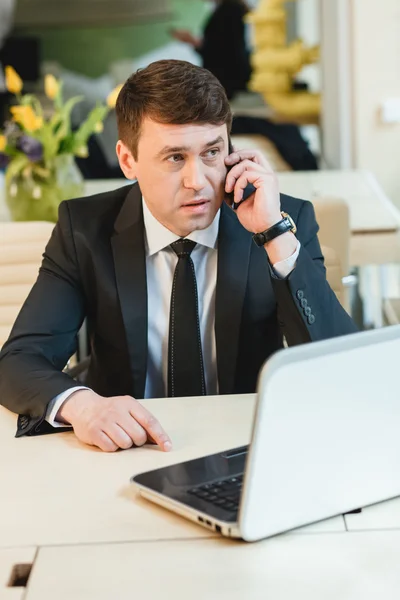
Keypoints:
pixel 126 160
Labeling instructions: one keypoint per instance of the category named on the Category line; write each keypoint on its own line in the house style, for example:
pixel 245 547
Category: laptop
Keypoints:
pixel 325 442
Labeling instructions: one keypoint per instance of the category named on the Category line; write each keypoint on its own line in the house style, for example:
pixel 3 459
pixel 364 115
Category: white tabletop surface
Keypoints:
pixel 55 490
pixel 370 208
pixel 344 566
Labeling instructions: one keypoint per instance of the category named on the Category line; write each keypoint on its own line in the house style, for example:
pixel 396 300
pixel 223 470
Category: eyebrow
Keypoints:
pixel 176 149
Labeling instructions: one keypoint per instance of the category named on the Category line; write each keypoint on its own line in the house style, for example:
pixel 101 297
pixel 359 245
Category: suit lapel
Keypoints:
pixel 234 245
pixel 128 247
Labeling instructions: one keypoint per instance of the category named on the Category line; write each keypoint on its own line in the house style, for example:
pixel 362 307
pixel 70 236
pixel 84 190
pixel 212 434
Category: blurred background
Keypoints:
pixel 314 84
pixel 95 44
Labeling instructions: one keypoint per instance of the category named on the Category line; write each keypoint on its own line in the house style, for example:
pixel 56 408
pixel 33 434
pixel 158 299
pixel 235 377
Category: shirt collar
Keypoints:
pixel 159 237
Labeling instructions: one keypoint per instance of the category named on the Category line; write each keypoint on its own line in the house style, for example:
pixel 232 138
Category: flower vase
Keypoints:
pixel 33 198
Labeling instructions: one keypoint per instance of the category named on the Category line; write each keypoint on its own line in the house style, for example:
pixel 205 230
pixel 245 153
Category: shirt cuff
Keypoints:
pixel 54 405
pixel 283 268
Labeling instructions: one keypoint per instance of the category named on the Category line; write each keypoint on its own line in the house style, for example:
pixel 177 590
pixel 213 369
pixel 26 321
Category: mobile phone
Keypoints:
pixel 248 191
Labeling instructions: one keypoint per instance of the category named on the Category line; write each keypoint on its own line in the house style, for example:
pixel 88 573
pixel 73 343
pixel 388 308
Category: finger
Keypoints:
pixel 152 426
pixel 102 441
pixel 254 155
pixel 247 177
pixel 133 429
pixel 118 436
pixel 238 170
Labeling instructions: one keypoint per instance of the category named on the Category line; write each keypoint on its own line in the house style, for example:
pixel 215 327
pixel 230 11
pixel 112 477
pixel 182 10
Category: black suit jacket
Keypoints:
pixel 94 266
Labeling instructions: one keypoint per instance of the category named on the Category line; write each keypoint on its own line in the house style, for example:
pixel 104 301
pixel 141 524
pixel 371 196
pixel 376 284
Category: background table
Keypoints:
pixel 375 221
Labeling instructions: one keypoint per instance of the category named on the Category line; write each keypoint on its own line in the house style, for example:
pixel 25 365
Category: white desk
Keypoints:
pixel 55 490
pixel 358 566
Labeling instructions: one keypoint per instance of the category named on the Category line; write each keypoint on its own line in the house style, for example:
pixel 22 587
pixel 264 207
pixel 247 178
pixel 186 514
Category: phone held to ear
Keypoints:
pixel 247 192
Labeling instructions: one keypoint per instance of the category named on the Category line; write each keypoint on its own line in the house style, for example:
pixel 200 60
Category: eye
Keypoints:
pixel 175 158
pixel 212 153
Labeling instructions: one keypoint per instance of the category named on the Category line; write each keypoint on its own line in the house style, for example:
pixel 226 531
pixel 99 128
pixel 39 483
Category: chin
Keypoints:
pixel 201 222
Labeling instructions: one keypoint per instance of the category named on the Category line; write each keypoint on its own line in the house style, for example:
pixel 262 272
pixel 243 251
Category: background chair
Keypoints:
pixel 391 311
pixel 334 235
pixel 268 148
pixel 21 248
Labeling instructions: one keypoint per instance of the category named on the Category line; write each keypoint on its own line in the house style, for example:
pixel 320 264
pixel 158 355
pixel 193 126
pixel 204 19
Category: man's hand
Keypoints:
pixel 182 35
pixel 111 423
pixel 262 209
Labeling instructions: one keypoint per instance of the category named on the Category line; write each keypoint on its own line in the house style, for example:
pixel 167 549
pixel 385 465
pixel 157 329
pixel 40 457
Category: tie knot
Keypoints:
pixel 183 247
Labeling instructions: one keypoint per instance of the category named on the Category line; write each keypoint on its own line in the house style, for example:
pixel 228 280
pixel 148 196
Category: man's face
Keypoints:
pixel 181 172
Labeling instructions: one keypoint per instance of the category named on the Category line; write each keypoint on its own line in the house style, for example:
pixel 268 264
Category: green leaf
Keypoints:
pixel 33 101
pixel 64 113
pixel 49 141
pixel 88 127
pixel 67 145
pixel 15 167
pixel 58 100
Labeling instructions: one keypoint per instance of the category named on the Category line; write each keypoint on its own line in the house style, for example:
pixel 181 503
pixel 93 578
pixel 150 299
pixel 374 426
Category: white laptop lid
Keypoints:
pixel 326 438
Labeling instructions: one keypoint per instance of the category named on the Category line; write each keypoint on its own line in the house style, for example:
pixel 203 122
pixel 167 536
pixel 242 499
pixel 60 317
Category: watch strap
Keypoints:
pixel 273 232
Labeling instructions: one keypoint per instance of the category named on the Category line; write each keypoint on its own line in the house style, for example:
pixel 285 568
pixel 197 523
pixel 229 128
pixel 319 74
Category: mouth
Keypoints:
pixel 197 206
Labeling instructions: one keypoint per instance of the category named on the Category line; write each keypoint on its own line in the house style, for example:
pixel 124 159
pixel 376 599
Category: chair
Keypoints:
pixel 21 248
pixel 334 235
pixel 391 311
pixel 268 148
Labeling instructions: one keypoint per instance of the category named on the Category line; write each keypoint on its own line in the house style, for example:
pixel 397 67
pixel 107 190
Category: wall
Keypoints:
pixel 91 50
pixel 308 29
pixel 361 69
pixel 376 72
pixel 337 84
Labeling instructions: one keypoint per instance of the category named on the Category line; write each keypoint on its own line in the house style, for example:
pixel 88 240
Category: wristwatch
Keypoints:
pixel 286 224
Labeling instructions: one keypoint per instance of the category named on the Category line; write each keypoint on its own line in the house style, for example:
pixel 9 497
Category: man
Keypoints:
pixel 181 298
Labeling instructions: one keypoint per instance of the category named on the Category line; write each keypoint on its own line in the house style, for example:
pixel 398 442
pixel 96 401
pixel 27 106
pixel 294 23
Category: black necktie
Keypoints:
pixel 185 357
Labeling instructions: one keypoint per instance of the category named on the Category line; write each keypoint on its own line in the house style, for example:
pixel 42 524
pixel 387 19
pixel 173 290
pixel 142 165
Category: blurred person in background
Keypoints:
pixel 225 52
pixel 223 46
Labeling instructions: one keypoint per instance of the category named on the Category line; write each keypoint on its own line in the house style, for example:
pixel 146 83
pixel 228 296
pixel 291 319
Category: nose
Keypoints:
pixel 193 176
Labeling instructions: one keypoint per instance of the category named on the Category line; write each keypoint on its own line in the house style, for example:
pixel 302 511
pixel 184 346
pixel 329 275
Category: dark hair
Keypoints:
pixel 173 92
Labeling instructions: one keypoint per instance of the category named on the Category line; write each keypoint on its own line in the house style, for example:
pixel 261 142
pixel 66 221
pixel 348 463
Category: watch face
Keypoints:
pixel 292 223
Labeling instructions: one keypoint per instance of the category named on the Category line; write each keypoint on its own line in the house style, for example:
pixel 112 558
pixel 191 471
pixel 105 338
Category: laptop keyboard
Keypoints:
pixel 224 493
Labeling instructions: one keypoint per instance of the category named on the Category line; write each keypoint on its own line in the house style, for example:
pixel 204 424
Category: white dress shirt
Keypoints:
pixel 161 261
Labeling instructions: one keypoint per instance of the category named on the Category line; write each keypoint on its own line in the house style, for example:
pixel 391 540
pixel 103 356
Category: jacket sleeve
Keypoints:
pixel 44 335
pixel 308 309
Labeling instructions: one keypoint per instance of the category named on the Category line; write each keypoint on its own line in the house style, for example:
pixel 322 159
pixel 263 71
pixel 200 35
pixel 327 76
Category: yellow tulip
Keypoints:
pixel 82 152
pixel 13 81
pixel 113 96
pixel 3 143
pixel 99 128
pixel 26 116
pixel 51 86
